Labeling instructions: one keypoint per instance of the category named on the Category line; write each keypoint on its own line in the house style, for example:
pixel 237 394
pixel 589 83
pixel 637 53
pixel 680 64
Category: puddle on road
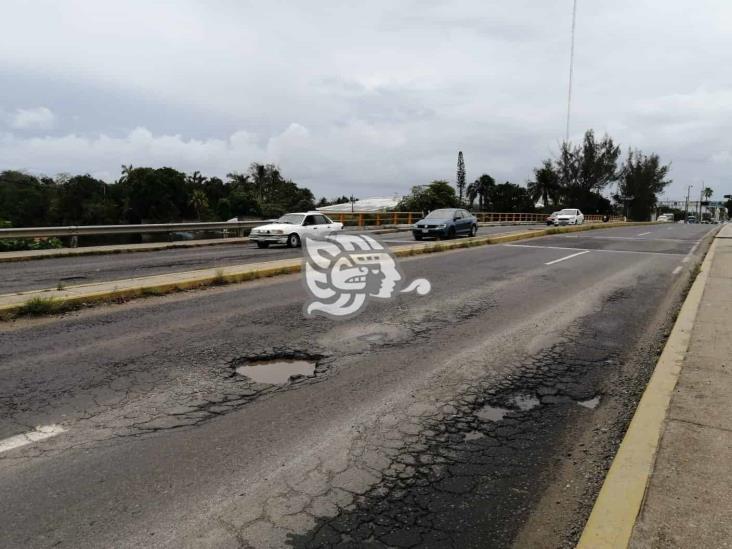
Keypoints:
pixel 276 372
pixel 492 413
pixel 591 404
pixel 525 402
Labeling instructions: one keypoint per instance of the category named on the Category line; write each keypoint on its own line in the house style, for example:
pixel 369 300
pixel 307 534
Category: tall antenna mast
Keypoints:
pixel 571 69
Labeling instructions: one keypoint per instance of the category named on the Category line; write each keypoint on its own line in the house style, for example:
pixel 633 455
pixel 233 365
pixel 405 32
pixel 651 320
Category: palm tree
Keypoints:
pixel 546 185
pixel 471 192
pixel 707 193
pixel 198 202
pixel 126 172
pixel 482 188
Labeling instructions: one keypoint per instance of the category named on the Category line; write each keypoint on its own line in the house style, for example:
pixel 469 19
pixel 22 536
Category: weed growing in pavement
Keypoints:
pixel 37 306
pixel 218 279
pixel 60 286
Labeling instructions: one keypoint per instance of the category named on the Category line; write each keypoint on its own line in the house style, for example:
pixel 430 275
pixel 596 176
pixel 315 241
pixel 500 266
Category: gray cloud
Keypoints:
pixel 368 98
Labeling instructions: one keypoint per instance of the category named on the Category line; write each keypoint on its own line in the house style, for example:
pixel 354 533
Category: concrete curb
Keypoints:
pixel 55 300
pixel 616 509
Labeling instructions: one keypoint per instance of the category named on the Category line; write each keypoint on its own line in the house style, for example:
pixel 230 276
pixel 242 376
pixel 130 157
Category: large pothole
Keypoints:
pixel 277 371
pixel 280 368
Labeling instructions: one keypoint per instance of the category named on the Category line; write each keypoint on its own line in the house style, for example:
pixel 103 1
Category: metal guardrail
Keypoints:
pixel 350 219
pixel 82 230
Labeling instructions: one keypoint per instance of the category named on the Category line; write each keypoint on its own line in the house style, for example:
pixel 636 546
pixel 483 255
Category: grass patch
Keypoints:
pixel 38 306
pixel 152 292
pixel 218 279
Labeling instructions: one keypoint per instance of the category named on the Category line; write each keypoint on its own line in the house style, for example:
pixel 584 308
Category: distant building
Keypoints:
pixel 365 205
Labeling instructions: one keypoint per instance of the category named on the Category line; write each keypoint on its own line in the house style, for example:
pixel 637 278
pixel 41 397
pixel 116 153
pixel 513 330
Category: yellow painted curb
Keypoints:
pixel 167 283
pixel 613 516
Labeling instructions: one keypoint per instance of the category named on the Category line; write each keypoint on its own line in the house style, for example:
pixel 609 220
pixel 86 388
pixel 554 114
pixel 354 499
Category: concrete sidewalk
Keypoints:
pixel 670 484
pixel 688 501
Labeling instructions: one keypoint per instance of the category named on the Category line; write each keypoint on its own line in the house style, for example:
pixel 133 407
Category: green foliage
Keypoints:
pixel 38 306
pixel 509 197
pixel 546 186
pixel 30 244
pixel 460 177
pixel 480 189
pixel 642 179
pixel 147 195
pixel 425 198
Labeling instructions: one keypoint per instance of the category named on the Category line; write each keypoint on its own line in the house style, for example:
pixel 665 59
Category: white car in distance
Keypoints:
pixel 291 228
pixel 569 216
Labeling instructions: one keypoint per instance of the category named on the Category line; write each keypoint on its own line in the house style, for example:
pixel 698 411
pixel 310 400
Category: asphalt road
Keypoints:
pixel 483 414
pixel 68 271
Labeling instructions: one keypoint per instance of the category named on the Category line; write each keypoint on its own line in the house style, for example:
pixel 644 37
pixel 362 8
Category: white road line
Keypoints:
pixel 668 254
pixel 567 257
pixel 41 433
pixel 631 238
pixel 644 234
pixel 677 270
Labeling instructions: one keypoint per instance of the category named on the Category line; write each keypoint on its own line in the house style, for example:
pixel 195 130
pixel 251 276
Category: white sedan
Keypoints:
pixel 569 216
pixel 291 228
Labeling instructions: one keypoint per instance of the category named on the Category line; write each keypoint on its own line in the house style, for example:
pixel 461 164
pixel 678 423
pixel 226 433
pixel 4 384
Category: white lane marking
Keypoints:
pixel 677 270
pixel 567 257
pixel 632 238
pixel 541 247
pixel 644 234
pixel 40 433
pixel 668 254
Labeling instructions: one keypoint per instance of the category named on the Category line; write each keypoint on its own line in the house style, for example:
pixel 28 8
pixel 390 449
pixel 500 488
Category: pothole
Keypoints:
pixel 591 403
pixel 276 371
pixel 492 413
pixel 525 402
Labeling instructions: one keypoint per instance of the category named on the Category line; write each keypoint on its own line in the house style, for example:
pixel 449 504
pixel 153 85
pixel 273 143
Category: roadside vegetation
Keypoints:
pixel 588 176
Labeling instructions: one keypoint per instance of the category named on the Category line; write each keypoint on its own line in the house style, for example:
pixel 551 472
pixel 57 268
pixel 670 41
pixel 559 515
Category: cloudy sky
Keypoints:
pixel 367 98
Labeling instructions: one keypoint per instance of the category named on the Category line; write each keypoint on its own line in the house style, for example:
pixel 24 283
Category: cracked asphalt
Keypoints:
pixel 70 271
pixel 483 414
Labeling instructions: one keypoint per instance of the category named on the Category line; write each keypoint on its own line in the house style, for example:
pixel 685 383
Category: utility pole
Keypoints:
pixel 686 207
pixel 701 197
pixel 571 70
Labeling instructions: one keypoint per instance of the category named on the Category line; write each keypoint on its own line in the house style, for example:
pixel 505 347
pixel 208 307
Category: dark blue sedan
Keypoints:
pixel 446 223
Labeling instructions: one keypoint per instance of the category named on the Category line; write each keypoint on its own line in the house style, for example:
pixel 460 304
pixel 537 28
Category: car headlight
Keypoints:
pixel 255 231
pixel 278 232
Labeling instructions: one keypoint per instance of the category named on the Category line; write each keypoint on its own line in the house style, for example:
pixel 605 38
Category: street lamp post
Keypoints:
pixel 686 207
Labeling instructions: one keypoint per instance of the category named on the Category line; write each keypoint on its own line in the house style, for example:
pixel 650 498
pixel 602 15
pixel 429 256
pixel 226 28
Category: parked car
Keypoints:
pixel 691 219
pixel 665 218
pixel 552 218
pixel 291 228
pixel 569 216
pixel 446 223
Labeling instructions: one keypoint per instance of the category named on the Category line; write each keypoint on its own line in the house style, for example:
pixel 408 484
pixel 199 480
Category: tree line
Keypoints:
pixel 149 195
pixel 590 176
pixel 580 176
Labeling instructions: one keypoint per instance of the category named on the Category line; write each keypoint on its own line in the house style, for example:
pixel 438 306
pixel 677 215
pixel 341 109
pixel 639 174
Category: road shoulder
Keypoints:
pixel 669 483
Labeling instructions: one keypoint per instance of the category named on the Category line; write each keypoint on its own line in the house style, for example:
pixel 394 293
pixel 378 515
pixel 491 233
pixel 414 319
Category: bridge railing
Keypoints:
pixel 229 228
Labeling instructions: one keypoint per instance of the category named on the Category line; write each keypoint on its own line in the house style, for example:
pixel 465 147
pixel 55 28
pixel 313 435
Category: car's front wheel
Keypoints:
pixel 473 230
pixel 417 236
pixel 262 244
pixel 451 233
pixel 293 241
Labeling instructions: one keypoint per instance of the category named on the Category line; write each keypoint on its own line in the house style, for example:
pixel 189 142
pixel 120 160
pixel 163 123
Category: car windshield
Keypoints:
pixel 567 212
pixel 291 219
pixel 440 214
